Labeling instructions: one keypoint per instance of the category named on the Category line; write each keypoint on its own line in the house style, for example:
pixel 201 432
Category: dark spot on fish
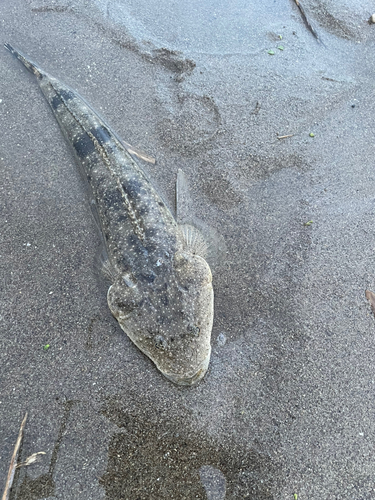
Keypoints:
pixel 143 211
pixel 143 251
pixel 149 277
pixel 164 300
pixel 84 146
pixel 163 320
pixel 133 240
pixel 161 203
pixel 137 246
pixel 151 248
pixel 91 164
pixel 162 287
pixel 101 134
pixel 125 307
pixel 66 95
pixel 150 231
pixel 112 198
pixel 132 188
pixel 56 101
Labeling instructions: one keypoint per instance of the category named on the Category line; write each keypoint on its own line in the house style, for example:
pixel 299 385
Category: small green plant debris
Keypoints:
pixel 295 496
pixel 308 223
pixel 46 347
pixel 271 52
pixel 311 134
pixel 281 37
pixel 280 47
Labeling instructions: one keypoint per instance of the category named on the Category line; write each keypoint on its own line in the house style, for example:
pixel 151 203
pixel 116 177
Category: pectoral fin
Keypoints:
pixel 103 265
pixel 194 241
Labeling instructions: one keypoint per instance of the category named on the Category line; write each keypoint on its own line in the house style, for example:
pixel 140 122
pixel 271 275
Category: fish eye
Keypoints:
pixel 160 342
pixel 125 307
pixel 193 330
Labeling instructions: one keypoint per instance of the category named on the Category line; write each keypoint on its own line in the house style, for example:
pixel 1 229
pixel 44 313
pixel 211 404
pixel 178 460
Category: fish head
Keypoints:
pixel 170 320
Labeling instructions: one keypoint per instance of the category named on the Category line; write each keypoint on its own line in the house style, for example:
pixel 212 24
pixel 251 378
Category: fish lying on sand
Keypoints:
pixel 161 286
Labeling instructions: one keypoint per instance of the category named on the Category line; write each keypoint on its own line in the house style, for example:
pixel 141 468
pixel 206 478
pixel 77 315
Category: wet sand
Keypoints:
pixel 288 402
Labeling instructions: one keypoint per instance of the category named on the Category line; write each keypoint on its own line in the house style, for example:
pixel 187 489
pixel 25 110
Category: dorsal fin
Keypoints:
pixel 183 201
pixel 198 238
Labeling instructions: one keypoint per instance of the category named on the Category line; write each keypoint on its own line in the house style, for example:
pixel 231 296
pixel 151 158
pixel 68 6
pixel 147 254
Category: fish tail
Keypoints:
pixel 28 64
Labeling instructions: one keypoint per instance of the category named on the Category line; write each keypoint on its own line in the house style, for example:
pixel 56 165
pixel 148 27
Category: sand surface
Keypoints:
pixel 287 407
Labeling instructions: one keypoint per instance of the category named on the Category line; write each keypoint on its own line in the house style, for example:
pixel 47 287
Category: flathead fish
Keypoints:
pixel 161 286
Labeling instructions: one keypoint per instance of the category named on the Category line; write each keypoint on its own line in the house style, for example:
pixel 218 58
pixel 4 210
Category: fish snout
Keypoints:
pixel 189 378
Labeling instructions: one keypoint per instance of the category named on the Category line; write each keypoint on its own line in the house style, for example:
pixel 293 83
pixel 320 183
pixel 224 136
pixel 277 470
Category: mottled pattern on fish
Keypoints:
pixel 161 291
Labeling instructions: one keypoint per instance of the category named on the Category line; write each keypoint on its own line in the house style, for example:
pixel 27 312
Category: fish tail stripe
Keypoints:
pixel 28 64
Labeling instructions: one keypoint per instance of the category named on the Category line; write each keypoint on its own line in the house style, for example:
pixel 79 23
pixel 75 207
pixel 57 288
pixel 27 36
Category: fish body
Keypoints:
pixel 161 292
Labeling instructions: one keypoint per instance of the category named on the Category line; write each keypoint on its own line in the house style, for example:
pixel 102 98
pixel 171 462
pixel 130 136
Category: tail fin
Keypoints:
pixel 28 64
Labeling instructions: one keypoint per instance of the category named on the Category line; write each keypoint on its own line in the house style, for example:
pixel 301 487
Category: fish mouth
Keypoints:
pixel 187 379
